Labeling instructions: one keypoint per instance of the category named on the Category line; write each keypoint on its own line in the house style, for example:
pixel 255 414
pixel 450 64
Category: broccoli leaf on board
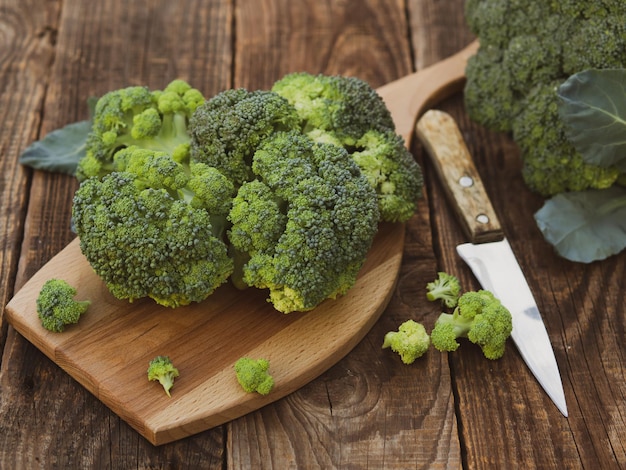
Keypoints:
pixel 585 226
pixel 60 150
pixel 592 105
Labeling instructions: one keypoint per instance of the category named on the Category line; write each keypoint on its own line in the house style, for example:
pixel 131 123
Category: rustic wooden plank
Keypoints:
pixel 47 419
pixel 370 410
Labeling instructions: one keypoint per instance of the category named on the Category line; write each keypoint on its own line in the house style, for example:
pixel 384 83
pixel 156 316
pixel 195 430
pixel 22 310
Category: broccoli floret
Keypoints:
pixel 253 375
pixel 446 288
pixel 304 226
pixel 57 307
pixel 411 341
pixel 527 48
pixel 136 116
pixel 347 112
pixel 156 228
pixel 228 128
pixel 162 369
pixel 478 316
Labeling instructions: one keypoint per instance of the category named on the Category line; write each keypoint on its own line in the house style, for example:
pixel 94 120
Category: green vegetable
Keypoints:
pixel 411 341
pixel 446 288
pixel 527 49
pixel 57 307
pixel 347 112
pixel 478 316
pixel 162 369
pixel 253 375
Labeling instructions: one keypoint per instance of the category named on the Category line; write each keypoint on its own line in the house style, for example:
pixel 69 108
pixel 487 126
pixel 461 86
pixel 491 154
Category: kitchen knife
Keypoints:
pixel 489 255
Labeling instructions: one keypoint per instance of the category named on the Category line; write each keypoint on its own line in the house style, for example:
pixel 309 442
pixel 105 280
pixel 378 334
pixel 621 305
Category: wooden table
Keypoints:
pixel 370 410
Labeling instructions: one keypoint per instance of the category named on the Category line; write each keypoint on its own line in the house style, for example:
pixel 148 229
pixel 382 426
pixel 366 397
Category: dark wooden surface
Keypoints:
pixel 370 410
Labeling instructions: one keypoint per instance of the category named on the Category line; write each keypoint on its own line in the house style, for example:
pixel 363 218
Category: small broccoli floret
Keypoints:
pixel 253 375
pixel 57 307
pixel 481 318
pixel 411 341
pixel 446 288
pixel 528 48
pixel 162 369
pixel 155 228
pixel 135 116
pixel 347 112
pixel 228 128
pixel 305 224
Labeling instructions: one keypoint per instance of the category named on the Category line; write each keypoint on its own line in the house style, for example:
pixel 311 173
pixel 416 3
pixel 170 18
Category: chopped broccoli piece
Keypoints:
pixel 347 112
pixel 135 116
pixel 304 226
pixel 446 288
pixel 162 369
pixel 478 316
pixel 57 307
pixel 527 48
pixel 411 341
pixel 253 375
pixel 156 228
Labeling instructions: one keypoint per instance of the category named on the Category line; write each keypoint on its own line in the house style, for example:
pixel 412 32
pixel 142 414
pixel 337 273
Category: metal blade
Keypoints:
pixel 497 270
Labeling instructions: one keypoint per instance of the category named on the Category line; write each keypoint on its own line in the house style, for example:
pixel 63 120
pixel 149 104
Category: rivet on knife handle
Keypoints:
pixel 444 144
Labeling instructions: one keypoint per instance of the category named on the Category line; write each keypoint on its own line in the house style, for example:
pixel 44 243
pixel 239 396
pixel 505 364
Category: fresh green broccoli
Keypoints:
pixel 304 226
pixel 253 375
pixel 162 369
pixel 228 128
pixel 446 288
pixel 155 227
pixel 136 116
pixel 527 48
pixel 411 341
pixel 57 307
pixel 478 316
pixel 347 112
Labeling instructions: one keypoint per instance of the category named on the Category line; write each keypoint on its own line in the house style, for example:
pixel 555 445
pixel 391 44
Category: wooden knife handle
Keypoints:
pixel 444 144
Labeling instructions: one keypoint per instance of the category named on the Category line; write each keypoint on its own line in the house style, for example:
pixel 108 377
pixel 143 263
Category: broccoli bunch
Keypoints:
pixel 304 225
pixel 154 227
pixel 162 369
pixel 527 49
pixel 57 307
pixel 411 341
pixel 346 111
pixel 253 375
pixel 136 116
pixel 478 316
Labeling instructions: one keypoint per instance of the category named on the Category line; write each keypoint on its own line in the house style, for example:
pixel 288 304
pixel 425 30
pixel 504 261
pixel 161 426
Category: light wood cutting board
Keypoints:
pixel 109 349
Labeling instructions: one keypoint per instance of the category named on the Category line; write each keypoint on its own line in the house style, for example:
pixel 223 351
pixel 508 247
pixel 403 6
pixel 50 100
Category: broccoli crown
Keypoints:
pixel 411 341
pixel 228 128
pixel 527 48
pixel 305 224
pixel 57 307
pixel 479 317
pixel 162 369
pixel 153 227
pixel 446 288
pixel 253 375
pixel 347 112
pixel 136 116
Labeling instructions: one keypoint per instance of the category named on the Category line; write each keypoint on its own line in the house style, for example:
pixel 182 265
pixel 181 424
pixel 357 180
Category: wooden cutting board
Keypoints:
pixel 109 349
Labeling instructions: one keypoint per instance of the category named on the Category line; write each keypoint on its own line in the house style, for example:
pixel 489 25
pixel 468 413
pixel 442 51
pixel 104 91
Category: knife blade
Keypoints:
pixel 489 254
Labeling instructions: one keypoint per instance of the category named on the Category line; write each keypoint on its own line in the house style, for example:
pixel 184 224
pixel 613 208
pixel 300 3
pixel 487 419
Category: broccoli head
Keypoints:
pixel 411 341
pixel 304 225
pixel 162 369
pixel 347 112
pixel 253 375
pixel 57 307
pixel 228 128
pixel 136 116
pixel 446 288
pixel 155 227
pixel 478 316
pixel 528 48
